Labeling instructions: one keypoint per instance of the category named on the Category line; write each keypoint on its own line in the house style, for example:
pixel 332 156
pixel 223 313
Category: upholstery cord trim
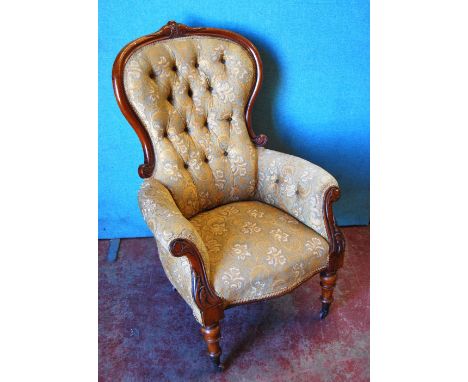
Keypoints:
pixel 280 293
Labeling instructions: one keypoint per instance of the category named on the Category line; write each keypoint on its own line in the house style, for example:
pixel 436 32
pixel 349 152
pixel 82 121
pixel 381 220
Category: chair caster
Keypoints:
pixel 219 368
pixel 218 365
pixel 324 311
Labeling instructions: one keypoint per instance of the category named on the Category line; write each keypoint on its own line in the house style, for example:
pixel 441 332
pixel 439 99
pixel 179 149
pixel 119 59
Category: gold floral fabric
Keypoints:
pixel 256 215
pixel 167 223
pixel 191 94
pixel 294 185
pixel 256 250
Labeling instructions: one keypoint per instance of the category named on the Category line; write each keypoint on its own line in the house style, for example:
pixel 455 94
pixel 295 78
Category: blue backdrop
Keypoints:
pixel 314 102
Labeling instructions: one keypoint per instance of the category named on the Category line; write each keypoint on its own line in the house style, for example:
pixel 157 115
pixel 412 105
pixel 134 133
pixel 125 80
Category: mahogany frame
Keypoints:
pixel 209 303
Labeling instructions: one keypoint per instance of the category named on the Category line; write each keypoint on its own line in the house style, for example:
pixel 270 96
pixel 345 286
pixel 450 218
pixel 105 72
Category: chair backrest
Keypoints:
pixel 188 94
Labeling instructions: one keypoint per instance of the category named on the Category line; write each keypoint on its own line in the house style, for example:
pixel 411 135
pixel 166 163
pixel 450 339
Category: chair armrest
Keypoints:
pixel 165 220
pixel 182 251
pixel 294 185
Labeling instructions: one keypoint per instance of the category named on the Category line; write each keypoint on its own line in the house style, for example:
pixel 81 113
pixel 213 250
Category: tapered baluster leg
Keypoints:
pixel 212 335
pixel 327 282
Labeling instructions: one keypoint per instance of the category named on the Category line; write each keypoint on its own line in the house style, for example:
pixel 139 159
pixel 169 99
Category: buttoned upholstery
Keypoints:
pixel 191 94
pixel 294 185
pixel 255 215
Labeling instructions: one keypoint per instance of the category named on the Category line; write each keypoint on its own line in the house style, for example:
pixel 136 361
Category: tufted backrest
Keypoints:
pixel 191 93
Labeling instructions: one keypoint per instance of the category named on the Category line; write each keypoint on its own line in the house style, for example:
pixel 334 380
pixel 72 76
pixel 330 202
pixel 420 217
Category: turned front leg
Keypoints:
pixel 212 335
pixel 327 282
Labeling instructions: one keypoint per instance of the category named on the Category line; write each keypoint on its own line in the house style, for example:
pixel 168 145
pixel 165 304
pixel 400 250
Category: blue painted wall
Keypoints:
pixel 314 102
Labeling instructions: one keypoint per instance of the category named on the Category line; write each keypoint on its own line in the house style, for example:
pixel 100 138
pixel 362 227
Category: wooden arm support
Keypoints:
pixel 211 305
pixel 336 243
pixel 335 236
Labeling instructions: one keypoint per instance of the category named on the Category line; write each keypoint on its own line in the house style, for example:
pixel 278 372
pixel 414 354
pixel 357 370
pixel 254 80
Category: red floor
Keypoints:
pixel 145 334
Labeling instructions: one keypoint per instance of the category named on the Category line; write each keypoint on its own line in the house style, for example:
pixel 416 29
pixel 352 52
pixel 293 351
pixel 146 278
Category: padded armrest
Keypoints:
pixel 167 224
pixel 165 219
pixel 294 185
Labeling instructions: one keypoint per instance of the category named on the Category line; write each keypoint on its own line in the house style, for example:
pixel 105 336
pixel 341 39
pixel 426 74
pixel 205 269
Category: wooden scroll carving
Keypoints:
pixel 211 305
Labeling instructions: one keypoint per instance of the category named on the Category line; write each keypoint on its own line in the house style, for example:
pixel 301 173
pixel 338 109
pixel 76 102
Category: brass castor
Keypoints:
pixel 324 311
pixel 218 365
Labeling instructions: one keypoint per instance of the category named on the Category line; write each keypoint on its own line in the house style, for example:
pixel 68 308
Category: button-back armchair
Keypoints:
pixel 234 222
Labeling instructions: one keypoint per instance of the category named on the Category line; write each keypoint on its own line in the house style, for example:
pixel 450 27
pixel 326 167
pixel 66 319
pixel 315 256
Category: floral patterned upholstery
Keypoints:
pixel 255 215
pixel 294 185
pixel 191 94
pixel 256 250
pixel 167 223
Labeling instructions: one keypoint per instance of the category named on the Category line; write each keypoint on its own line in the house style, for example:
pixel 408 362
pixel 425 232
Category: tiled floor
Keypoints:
pixel 148 333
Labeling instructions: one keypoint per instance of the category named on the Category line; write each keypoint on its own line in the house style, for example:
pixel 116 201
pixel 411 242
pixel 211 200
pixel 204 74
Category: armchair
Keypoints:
pixel 234 222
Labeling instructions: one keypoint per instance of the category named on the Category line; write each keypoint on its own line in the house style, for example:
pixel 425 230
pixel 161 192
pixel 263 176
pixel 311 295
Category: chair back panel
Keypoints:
pixel 191 93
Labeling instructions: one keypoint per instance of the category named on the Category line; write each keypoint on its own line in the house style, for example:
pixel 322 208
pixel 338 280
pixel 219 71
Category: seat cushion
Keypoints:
pixel 258 251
